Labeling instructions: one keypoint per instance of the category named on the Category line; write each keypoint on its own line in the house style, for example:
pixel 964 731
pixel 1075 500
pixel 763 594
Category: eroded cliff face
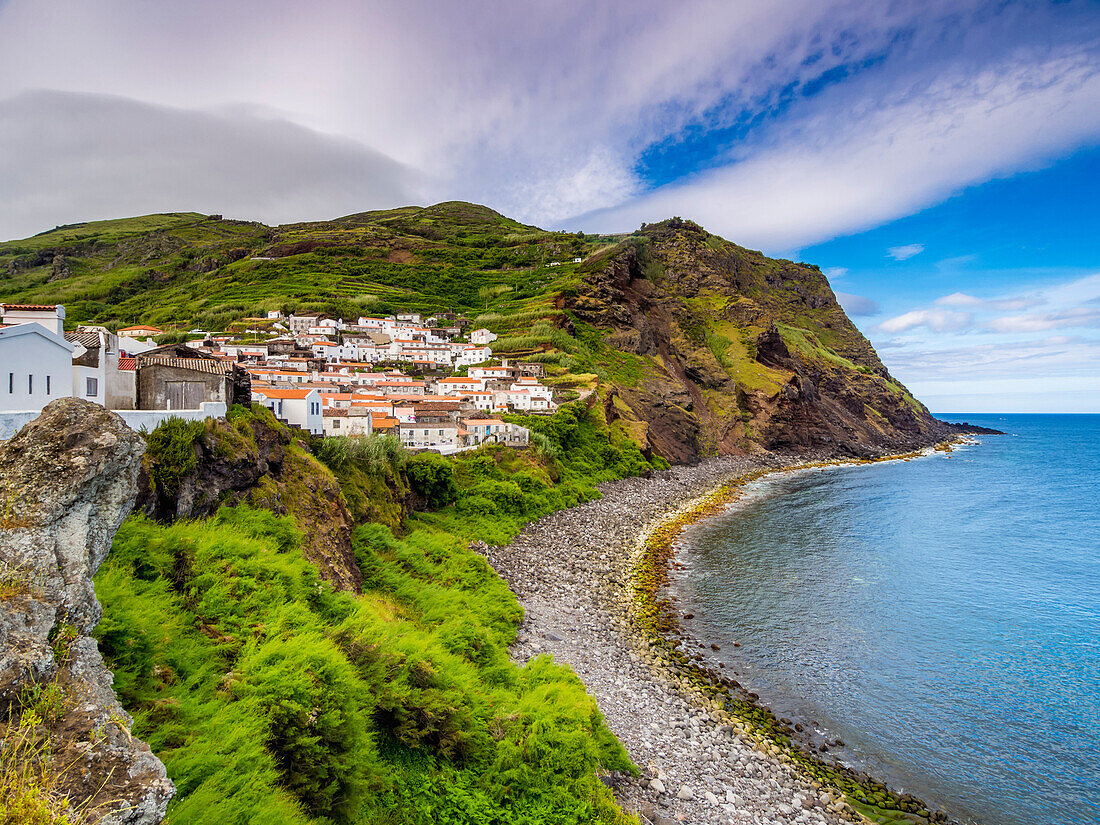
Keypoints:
pixel 257 461
pixel 743 353
pixel 67 481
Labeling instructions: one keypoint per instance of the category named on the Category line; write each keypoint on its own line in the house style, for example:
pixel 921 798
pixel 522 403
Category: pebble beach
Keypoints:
pixel 571 572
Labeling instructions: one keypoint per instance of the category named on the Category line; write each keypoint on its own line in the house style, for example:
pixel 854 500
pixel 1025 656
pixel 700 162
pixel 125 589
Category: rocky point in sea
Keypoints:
pixel 67 480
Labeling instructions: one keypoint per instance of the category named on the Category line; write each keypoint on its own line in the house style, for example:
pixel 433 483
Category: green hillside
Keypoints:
pixel 693 344
pixel 184 270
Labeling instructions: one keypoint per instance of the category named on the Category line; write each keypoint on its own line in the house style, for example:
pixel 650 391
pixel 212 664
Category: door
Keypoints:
pixel 184 395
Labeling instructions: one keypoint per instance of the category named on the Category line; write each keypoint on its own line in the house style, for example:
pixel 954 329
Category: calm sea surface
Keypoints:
pixel 941 615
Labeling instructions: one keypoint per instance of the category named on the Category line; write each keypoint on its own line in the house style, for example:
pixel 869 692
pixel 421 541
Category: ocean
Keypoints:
pixel 941 615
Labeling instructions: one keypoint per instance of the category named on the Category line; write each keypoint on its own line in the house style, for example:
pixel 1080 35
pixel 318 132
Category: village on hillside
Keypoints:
pixel 429 382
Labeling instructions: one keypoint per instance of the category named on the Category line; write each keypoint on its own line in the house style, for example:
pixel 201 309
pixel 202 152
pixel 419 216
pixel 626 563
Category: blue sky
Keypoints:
pixel 1028 247
pixel 938 159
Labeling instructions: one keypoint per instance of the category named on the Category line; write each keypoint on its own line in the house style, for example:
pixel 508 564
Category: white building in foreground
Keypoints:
pixel 300 407
pixel 35 367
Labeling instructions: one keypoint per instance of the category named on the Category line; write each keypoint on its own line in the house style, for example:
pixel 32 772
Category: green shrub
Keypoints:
pixel 431 477
pixel 170 453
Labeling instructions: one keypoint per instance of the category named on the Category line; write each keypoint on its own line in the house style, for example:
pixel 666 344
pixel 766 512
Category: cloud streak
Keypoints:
pixel 856 163
pixel 937 320
pixel 904 253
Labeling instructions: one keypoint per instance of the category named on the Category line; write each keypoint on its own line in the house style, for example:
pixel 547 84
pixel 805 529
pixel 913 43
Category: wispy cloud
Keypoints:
pixel 937 320
pixel 859 162
pixel 834 273
pixel 904 253
pixel 961 299
pixel 1066 319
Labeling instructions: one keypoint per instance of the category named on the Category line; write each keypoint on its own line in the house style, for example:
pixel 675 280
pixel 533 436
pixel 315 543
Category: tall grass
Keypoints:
pixel 373 453
pixel 272 699
pixel 33 779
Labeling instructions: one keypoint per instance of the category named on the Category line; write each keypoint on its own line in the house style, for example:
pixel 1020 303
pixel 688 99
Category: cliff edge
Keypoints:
pixel 742 352
pixel 67 480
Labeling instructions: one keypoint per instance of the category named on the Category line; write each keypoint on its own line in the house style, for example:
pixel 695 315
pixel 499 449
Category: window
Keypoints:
pixel 11 382
pixel 30 385
pixel 47 385
pixel 92 388
pixel 336 423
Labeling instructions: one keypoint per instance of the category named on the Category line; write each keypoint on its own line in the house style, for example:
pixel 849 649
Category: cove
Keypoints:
pixel 940 616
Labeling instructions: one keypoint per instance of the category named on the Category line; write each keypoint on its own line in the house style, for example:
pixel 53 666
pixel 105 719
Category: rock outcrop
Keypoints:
pixel 256 461
pixel 67 480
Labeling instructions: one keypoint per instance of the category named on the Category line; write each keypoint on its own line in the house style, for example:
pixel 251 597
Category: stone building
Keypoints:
pixel 177 377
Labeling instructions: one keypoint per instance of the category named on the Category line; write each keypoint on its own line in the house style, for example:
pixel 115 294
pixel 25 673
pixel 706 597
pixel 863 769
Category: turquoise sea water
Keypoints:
pixel 940 615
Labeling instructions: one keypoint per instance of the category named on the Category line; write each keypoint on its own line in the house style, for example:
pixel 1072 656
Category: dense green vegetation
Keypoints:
pixel 184 270
pixel 272 698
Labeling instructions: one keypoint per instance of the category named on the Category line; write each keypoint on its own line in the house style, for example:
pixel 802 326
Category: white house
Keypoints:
pixel 457 385
pixel 335 353
pixel 482 336
pixel 354 422
pixel 51 316
pixel 529 394
pixel 482 430
pixel 300 407
pixel 140 332
pixel 473 354
pixel 435 431
pixel 491 373
pixel 483 400
pixel 36 366
pixel 95 369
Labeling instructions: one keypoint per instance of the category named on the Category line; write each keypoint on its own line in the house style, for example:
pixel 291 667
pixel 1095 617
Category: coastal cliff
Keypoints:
pixel 309 635
pixel 69 479
pixel 744 353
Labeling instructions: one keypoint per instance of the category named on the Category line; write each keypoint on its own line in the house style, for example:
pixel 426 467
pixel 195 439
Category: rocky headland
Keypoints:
pixel 69 478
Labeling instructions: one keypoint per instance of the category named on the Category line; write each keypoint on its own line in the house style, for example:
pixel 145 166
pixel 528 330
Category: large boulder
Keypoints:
pixel 67 480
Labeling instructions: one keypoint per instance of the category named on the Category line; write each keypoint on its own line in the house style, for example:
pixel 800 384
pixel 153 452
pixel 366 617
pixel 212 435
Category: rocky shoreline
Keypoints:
pixel 573 572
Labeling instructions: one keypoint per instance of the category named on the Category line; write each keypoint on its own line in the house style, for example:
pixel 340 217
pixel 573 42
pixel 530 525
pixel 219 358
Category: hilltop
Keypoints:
pixel 690 344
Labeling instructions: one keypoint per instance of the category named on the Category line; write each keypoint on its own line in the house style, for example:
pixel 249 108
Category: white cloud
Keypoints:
pixel 539 109
pixel 835 272
pixel 1008 354
pixel 1067 319
pixel 859 162
pixel 904 253
pixel 962 299
pixel 543 110
pixel 937 320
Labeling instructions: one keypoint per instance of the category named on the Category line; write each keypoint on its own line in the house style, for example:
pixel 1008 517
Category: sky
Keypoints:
pixel 939 160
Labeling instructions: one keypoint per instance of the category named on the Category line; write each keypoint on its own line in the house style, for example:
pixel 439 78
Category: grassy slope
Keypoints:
pixel 180 271
pixel 272 699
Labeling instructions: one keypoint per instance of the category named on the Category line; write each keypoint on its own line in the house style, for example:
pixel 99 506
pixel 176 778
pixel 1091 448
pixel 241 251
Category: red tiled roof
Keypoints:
pixel 282 392
pixel 127 364
pixel 31 307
